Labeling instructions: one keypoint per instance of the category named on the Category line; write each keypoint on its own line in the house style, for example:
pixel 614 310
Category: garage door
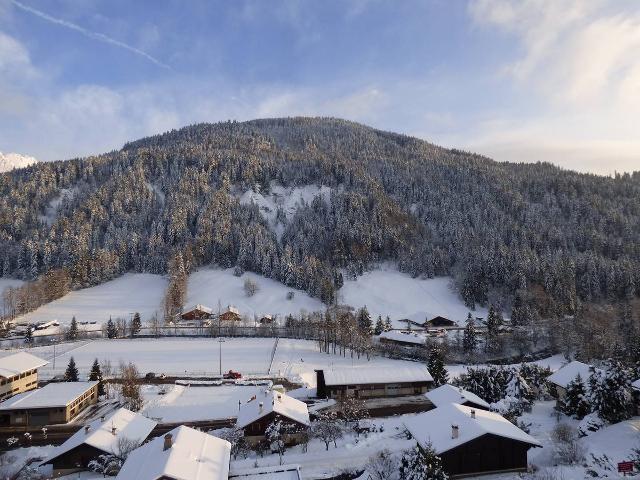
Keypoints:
pixel 39 418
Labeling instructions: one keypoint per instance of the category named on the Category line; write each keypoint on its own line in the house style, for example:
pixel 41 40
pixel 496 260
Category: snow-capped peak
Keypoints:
pixel 9 161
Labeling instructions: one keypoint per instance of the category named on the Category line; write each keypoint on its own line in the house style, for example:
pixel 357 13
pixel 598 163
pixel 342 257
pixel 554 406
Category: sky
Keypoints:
pixel 516 80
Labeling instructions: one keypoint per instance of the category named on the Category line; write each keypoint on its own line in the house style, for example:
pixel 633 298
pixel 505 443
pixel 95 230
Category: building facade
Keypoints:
pixel 19 374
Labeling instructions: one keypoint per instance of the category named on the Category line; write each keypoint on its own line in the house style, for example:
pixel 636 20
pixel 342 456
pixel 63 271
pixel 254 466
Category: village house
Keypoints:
pixel 472 442
pixel 231 314
pixel 440 321
pixel 182 454
pixel 52 404
pixel 197 312
pixel 266 320
pixel 372 382
pixel 19 373
pixel 446 394
pixel 106 436
pixel 277 472
pixel 564 376
pixel 402 338
pixel 263 409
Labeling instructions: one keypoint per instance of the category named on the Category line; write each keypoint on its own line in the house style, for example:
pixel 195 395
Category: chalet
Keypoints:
pixel 446 394
pixel 635 391
pixel 52 404
pixel 266 320
pixel 260 411
pixel 277 472
pixel 440 321
pixel 402 338
pixel 472 442
pixel 231 314
pixel 100 437
pixel 565 375
pixel 182 454
pixel 197 312
pixel 19 373
pixel 371 382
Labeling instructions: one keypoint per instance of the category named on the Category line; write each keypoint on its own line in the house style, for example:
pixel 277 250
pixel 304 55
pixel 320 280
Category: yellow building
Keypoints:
pixel 19 373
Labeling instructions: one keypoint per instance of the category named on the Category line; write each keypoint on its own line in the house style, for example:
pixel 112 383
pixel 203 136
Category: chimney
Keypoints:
pixel 167 441
pixel 113 430
pixel 260 404
pixel 454 431
pixel 87 428
pixel 102 418
pixel 473 413
pixel 279 397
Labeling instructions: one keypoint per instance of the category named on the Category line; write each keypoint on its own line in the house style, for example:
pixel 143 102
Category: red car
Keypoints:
pixel 231 375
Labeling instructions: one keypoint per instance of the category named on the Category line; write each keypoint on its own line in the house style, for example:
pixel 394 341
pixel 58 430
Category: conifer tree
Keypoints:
pixel 112 331
pixel 364 321
pixel 72 334
pixel 575 403
pixel 71 373
pixel 421 464
pixel 379 328
pixel 387 324
pixel 28 336
pixel 492 343
pixel 469 339
pixel 436 367
pixel 610 393
pixel 96 376
pixel 136 324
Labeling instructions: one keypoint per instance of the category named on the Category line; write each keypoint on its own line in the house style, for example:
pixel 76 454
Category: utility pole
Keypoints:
pixel 220 342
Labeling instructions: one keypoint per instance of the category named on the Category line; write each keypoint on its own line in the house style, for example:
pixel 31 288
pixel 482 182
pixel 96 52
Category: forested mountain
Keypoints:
pixel 539 237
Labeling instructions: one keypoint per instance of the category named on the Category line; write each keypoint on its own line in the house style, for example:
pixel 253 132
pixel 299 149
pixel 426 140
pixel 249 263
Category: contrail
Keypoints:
pixel 96 36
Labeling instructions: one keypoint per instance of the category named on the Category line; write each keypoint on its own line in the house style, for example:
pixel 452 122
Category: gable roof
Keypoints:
pixel 19 363
pixel 406 337
pixel 199 307
pixel 272 401
pixel 435 425
pixel 193 455
pixel 376 375
pixel 51 395
pixel 569 372
pixel 128 424
pixel 447 393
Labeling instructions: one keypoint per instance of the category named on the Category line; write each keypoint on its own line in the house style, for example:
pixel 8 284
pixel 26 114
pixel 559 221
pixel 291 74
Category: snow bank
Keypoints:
pixel 386 291
pixel 210 286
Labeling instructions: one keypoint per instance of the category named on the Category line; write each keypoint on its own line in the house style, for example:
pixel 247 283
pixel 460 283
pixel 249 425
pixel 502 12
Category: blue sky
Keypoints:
pixel 526 80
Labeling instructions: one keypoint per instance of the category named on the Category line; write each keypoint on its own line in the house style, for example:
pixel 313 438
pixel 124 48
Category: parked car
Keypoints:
pixel 231 375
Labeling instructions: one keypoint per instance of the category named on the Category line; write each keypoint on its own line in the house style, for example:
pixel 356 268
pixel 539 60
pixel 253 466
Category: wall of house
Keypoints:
pixel 376 390
pixel 17 384
pixel 75 460
pixel 254 433
pixel 485 454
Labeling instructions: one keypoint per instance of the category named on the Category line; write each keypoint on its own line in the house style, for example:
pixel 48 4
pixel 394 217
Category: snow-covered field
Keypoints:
pixel 209 286
pixel 183 403
pixel 139 292
pixel 386 291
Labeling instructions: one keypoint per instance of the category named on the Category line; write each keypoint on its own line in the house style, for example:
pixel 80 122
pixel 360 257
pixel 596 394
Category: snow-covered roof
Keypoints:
pixel 400 336
pixel 193 455
pixel 360 375
pixel 199 307
pixel 435 427
pixel 232 309
pixel 277 472
pixel 100 434
pixel 272 401
pixel 51 395
pixel 636 384
pixel 19 363
pixel 446 394
pixel 569 372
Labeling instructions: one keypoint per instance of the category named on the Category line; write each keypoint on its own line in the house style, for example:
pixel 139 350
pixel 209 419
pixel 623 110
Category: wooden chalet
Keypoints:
pixel 197 312
pixel 472 442
pixel 263 409
pixel 564 376
pixel 373 382
pixel 100 437
pixel 231 314
pixel 440 321
pixel 266 320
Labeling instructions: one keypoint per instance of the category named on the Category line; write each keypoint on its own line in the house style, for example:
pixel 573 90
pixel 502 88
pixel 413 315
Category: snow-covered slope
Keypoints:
pixel 386 291
pixel 138 292
pixel 9 161
pixel 208 286
pixel 289 199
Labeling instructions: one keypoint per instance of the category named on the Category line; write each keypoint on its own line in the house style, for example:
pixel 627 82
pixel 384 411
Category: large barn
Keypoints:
pixel 259 412
pixel 101 437
pixel 471 441
pixel 372 382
